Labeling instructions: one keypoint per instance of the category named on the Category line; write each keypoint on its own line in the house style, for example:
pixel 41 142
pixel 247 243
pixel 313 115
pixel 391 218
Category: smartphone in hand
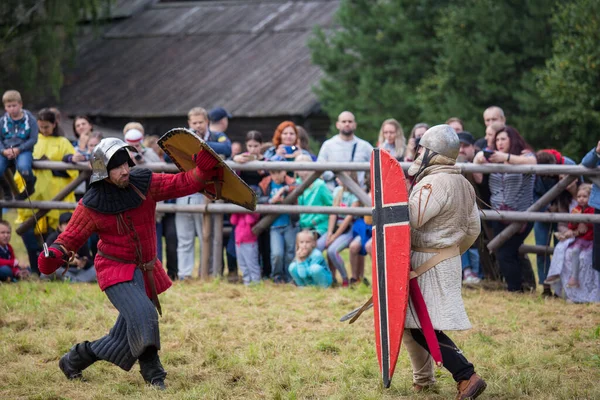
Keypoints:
pixel 488 153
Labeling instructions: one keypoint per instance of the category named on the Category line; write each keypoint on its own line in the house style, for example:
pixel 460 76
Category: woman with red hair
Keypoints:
pixel 285 142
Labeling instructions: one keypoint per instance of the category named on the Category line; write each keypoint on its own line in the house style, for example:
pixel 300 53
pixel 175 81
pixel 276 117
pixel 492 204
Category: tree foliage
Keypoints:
pixel 37 38
pixel 570 81
pixel 487 54
pixel 426 60
pixel 373 62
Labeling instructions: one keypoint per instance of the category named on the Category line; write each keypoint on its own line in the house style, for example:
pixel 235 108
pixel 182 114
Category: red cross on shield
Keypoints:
pixel 391 258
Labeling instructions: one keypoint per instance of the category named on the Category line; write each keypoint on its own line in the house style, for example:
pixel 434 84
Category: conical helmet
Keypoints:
pixel 441 139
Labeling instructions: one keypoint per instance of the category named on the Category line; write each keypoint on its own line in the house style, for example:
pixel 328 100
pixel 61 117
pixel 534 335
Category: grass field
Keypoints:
pixel 225 341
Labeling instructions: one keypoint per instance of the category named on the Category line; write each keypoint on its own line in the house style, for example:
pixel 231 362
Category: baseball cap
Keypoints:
pixel 64 218
pixel 218 113
pixel 466 137
pixel 134 136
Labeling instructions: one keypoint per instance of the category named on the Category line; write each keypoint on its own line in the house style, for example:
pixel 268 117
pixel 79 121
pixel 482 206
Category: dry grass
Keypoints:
pixel 223 341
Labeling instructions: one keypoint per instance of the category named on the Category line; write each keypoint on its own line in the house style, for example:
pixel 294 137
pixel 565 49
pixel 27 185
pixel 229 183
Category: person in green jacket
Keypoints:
pixel 317 194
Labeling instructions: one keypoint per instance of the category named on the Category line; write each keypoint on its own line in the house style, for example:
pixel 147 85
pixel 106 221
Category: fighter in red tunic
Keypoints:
pixel 120 206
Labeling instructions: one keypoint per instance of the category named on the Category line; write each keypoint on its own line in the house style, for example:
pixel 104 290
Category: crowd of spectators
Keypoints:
pixel 304 249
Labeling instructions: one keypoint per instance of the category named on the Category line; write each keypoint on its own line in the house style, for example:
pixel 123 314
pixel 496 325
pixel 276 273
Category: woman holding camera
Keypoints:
pixel 509 192
pixel 285 142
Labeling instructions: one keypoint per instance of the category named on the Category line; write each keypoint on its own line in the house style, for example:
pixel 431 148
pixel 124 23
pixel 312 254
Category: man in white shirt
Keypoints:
pixel 345 146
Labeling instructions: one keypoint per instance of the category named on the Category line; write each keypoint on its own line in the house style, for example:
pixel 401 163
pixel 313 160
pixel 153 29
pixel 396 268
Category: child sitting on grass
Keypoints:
pixel 9 266
pixel 309 267
pixel 583 234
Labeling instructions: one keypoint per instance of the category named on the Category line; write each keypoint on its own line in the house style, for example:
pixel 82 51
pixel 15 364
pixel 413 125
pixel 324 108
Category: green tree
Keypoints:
pixel 375 58
pixel 570 81
pixel 37 38
pixel 487 55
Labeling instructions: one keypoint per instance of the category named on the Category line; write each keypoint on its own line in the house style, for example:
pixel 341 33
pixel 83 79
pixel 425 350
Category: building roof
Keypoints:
pixel 250 57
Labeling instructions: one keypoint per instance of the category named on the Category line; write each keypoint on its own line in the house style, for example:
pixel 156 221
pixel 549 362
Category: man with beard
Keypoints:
pixel 120 206
pixel 345 146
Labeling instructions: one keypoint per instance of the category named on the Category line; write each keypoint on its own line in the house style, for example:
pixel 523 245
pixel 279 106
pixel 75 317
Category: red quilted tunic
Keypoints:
pixel 85 221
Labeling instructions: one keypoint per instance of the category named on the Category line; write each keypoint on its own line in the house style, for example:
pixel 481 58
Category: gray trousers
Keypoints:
pixel 188 227
pixel 247 258
pixel 136 327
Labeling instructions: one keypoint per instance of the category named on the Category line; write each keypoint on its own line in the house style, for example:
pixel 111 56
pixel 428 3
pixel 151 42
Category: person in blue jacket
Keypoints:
pixel 592 160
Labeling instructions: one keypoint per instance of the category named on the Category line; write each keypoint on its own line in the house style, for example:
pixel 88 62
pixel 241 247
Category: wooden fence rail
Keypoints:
pixel 341 168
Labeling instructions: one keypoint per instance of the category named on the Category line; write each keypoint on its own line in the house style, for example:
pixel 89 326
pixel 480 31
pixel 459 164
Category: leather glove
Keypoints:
pixel 47 265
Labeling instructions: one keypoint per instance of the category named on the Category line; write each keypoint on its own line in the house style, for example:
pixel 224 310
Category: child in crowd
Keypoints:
pixel 18 135
pixel 273 189
pixel 81 268
pixel 317 194
pixel 362 232
pixel 246 246
pixel 309 267
pixel 10 268
pixel 339 231
pixel 253 146
pixel 583 234
pixel 254 141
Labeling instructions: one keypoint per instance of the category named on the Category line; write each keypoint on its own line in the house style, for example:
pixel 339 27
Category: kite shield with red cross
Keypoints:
pixel 391 258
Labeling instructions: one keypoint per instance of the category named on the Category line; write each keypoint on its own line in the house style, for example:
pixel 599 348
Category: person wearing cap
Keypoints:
pixel 134 137
pixel 120 206
pixel 81 268
pixel 219 120
pixel 444 222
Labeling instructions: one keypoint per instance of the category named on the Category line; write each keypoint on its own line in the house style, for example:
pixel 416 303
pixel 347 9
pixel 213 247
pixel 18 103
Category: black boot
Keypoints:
pixel 151 369
pixel 29 185
pixel 76 360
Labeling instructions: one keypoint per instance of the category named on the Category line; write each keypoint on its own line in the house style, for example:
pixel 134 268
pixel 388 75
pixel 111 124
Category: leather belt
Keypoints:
pixel 147 268
pixel 440 255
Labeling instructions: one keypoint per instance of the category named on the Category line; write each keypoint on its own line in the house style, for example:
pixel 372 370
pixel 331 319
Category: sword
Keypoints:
pixel 354 314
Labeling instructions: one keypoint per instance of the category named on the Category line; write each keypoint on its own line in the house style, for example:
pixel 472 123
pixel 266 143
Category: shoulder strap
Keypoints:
pixel 353 151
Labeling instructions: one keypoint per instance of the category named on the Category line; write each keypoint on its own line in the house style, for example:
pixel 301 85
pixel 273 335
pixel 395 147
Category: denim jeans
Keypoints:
pixel 470 259
pixel 543 237
pixel 283 250
pixel 23 163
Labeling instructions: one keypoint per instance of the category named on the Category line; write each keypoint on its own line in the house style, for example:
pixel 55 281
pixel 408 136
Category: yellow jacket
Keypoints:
pixel 51 148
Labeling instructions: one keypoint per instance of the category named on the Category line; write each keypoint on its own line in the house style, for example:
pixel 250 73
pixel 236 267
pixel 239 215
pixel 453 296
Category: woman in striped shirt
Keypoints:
pixel 509 192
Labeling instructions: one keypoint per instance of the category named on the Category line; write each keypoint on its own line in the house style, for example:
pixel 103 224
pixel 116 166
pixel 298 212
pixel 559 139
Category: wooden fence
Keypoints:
pixel 340 169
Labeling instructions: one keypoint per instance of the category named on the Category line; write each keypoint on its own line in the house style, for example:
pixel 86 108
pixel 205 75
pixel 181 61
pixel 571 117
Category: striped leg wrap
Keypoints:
pixel 136 327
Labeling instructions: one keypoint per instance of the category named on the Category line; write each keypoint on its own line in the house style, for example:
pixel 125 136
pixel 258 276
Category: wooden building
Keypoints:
pixel 158 59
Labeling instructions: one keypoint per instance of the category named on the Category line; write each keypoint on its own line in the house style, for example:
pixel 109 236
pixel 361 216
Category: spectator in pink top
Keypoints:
pixel 246 246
